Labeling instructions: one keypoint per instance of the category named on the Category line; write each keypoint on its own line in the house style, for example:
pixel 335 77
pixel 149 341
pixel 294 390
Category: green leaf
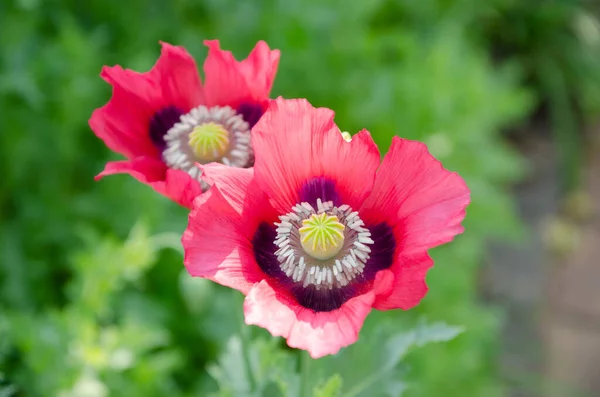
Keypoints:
pixel 371 367
pixel 229 372
pixel 273 369
pixel 330 388
pixel 397 347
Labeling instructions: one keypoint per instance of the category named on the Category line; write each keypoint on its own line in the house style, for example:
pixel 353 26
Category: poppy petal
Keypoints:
pixel 301 152
pixel 124 122
pixel 319 333
pixel 174 184
pixel 420 199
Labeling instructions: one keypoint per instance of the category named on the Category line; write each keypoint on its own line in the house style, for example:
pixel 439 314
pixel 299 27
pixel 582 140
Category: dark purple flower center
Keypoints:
pixel 319 188
pixel 161 122
pixel 251 112
pixel 326 295
pixel 382 251
pixel 323 300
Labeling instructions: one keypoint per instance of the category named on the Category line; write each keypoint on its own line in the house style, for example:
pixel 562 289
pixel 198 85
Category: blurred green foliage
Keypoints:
pixel 557 43
pixel 91 305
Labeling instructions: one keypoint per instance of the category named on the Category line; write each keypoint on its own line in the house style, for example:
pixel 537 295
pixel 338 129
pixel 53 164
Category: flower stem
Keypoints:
pixel 245 339
pixel 305 360
pixel 366 383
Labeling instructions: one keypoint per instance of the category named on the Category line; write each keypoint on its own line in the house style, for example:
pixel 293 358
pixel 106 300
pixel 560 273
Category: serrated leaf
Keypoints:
pixel 272 369
pixel 380 352
pixel 230 372
pixel 398 346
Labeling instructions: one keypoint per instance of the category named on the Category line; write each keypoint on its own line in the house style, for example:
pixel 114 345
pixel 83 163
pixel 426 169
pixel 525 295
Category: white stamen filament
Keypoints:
pixel 335 272
pixel 179 154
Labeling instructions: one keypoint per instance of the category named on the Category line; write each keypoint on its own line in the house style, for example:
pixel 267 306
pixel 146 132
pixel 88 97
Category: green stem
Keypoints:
pixel 366 383
pixel 245 339
pixel 305 360
pixel 565 126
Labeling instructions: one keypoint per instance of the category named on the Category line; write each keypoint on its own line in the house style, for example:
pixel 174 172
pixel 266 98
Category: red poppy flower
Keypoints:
pixel 319 232
pixel 166 120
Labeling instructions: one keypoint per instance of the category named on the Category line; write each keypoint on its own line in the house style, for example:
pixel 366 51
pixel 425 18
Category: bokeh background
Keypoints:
pixel 94 300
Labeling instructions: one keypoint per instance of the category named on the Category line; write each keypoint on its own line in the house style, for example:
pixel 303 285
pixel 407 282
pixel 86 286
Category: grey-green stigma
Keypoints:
pixel 326 246
pixel 204 135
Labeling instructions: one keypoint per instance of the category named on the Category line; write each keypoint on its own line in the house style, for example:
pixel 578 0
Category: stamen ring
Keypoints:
pixel 183 151
pixel 336 270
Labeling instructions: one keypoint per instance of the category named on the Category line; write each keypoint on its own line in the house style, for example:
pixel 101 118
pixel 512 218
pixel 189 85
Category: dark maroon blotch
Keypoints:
pixel 251 112
pixel 161 123
pixel 323 300
pixel 319 188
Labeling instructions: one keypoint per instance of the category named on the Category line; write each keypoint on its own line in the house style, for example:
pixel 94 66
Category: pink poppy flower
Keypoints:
pixel 319 232
pixel 166 120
